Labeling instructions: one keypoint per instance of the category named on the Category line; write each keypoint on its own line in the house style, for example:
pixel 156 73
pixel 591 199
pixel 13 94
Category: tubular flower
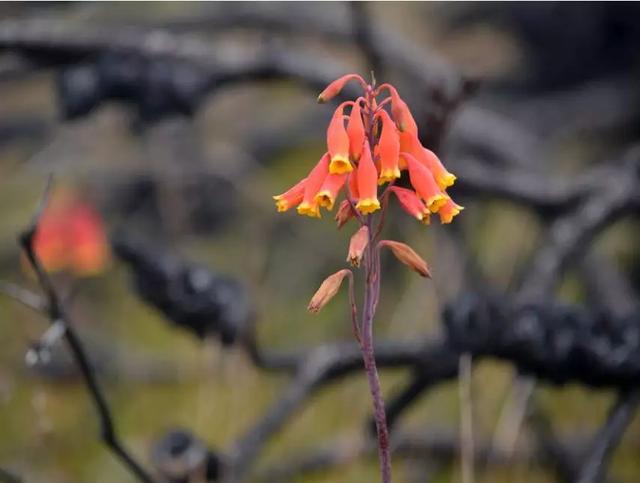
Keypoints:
pixel 290 198
pixel 353 186
pixel 412 204
pixel 371 146
pixel 401 113
pixel 338 143
pixel 367 183
pixel 448 211
pixel 336 86
pixel 424 183
pixel 328 193
pixel 443 177
pixel 315 180
pixel 355 131
pixel 388 150
pixel 70 236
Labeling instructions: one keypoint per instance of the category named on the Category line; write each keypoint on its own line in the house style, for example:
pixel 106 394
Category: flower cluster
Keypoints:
pixel 367 147
pixel 70 236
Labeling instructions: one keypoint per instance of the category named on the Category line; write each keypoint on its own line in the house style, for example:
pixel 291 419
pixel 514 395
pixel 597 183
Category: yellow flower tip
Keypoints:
pixel 436 202
pixel 340 165
pixel 446 180
pixel 446 218
pixel 324 199
pixel 308 209
pixel 282 205
pixel 388 175
pixel 368 205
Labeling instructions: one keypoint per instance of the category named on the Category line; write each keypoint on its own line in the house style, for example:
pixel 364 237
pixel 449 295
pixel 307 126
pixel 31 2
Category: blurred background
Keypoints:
pixel 169 126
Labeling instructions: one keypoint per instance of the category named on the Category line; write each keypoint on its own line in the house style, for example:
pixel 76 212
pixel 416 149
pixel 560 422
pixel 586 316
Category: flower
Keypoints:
pixel 355 131
pixel 412 204
pixel 336 86
pixel 315 180
pixel 424 184
pixel 70 236
pixel 367 183
pixel 331 186
pixel 357 245
pixel 379 142
pixel 388 149
pixel 290 198
pixel 338 143
pixel 448 211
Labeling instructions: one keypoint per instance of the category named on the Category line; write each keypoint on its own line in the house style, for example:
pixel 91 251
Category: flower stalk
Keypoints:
pixel 378 144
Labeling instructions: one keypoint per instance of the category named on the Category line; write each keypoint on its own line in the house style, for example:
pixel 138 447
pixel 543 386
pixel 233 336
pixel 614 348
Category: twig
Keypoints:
pixel 597 459
pixel 56 314
pixel 467 446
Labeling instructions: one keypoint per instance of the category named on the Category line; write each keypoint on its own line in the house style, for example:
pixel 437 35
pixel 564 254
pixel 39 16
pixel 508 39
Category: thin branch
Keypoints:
pixel 620 416
pixel 56 314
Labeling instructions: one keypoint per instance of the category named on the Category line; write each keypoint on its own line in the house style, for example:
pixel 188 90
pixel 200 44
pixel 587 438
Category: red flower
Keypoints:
pixel 424 183
pixel 367 183
pixel 388 149
pixel 328 193
pixel 70 236
pixel 338 143
pixel 290 198
pixel 393 140
pixel 412 204
pixel 355 131
pixel 315 180
pixel 448 211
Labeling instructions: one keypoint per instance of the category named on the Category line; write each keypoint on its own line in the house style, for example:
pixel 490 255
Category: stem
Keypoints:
pixel 370 302
pixel 466 413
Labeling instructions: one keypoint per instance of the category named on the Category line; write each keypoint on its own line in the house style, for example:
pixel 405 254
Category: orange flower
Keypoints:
pixel 443 177
pixel 355 131
pixel 353 186
pixel 448 211
pixel 367 183
pixel 401 112
pixel 70 236
pixel 424 184
pixel 290 198
pixel 411 144
pixel 412 204
pixel 89 252
pixel 336 86
pixel 388 149
pixel 338 143
pixel 328 193
pixel 315 180
pixel 357 245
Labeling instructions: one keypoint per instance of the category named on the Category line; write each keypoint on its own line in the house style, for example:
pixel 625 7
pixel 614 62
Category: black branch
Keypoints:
pixel 56 313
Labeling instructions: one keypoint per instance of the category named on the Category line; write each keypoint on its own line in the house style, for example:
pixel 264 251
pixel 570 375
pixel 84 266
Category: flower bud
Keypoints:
pixel 344 214
pixel 327 290
pixel 408 256
pixel 357 245
pixel 336 86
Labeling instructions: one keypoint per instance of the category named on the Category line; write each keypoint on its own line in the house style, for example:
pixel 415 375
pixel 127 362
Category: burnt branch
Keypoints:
pixel 608 438
pixel 57 315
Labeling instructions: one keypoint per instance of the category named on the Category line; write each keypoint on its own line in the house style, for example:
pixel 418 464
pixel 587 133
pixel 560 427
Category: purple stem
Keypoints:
pixel 372 290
